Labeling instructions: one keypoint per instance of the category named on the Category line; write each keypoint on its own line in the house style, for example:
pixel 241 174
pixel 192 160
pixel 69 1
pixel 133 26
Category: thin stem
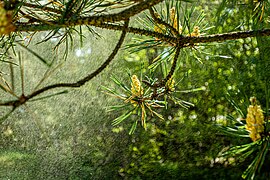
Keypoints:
pixel 12 77
pixel 21 64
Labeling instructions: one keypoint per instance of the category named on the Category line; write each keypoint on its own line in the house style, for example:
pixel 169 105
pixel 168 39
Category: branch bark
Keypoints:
pixel 224 36
pixel 184 40
pixel 187 40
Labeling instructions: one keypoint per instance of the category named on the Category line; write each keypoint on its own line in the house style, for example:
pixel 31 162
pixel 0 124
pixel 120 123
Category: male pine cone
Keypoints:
pixel 255 120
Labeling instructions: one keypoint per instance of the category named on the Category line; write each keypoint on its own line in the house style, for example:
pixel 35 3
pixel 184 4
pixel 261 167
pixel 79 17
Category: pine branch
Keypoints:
pixel 138 31
pixel 23 99
pixel 186 41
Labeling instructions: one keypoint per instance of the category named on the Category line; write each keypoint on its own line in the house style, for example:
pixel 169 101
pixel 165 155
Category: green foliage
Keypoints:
pixel 187 84
pixel 171 149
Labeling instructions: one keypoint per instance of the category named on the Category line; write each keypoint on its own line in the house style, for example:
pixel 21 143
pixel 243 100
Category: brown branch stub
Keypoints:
pixel 15 103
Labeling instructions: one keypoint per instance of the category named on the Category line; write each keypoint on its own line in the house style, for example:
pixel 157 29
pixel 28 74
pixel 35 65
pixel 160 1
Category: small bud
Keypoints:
pixel 136 88
pixel 196 32
pixel 170 84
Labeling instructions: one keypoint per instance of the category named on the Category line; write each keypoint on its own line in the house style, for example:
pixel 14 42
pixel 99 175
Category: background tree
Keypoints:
pixel 176 46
